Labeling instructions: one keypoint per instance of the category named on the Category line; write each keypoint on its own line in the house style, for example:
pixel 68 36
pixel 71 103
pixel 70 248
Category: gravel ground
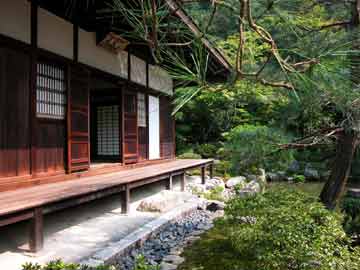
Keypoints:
pixel 165 247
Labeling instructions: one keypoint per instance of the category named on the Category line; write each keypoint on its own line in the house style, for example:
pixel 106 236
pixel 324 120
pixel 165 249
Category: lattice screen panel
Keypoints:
pixel 50 91
pixel 141 113
pixel 108 137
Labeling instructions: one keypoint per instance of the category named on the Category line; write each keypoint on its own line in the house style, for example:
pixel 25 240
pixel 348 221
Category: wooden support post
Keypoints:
pixel 183 181
pixel 36 240
pixel 125 207
pixel 211 170
pixel 169 183
pixel 203 175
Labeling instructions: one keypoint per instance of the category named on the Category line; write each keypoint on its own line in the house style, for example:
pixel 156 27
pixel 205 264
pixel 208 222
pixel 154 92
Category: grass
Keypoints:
pixel 312 188
pixel 214 252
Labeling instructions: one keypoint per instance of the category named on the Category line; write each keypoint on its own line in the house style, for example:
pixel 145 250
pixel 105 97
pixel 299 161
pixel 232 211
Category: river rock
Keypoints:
pixel 235 181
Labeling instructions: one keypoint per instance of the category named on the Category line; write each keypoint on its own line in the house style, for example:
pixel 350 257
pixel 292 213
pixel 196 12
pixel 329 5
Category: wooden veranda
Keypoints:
pixel 33 202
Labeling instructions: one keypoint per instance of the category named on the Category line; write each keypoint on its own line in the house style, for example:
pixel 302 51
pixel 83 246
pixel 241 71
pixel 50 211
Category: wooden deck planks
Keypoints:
pixel 29 198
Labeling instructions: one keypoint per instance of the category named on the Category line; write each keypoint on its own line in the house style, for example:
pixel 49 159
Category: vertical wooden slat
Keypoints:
pixel 183 181
pixel 33 69
pixel 169 184
pixel 125 206
pixel 211 171
pixel 36 239
pixel 203 175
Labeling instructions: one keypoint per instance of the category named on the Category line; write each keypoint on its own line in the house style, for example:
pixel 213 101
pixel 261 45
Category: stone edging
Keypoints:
pixel 110 254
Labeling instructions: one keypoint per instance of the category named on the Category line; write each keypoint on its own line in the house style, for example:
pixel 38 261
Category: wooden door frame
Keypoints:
pixel 93 118
pixel 123 93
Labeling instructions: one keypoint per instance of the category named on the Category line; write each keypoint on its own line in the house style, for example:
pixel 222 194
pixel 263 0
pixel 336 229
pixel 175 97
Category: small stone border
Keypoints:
pixel 165 247
pixel 112 254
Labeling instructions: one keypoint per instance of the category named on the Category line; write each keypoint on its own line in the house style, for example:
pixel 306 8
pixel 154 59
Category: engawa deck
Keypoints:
pixel 32 203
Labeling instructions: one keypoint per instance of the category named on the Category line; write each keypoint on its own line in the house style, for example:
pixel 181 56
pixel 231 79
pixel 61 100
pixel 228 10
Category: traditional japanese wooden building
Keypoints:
pixel 78 101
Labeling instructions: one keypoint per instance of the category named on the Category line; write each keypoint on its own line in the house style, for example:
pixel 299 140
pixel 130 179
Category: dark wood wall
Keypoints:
pixel 14 113
pixel 50 147
pixel 167 136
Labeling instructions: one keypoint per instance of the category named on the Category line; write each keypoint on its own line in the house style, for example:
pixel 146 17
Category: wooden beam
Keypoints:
pixel 76 42
pixel 33 74
pixel 211 171
pixel 183 181
pixel 125 207
pixel 169 183
pixel 17 217
pixel 203 175
pixel 36 240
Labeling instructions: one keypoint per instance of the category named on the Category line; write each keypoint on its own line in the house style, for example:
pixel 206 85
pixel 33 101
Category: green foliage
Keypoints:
pixel 215 194
pixel 288 230
pixel 142 264
pixel 256 147
pixel 298 178
pixel 216 110
pixel 60 265
pixel 207 150
pixel 222 169
pixel 189 155
pixel 351 208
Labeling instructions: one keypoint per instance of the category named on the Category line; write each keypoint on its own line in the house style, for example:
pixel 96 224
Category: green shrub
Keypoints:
pixel 288 230
pixel 222 168
pixel 351 208
pixel 60 265
pixel 251 146
pixel 189 155
pixel 215 194
pixel 298 178
pixel 142 264
pixel 207 150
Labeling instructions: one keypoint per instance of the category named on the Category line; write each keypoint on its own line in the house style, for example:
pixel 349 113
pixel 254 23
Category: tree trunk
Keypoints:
pixel 337 181
pixel 348 141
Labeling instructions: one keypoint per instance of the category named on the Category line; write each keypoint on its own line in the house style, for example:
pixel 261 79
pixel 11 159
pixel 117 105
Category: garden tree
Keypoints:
pixel 299 72
pixel 349 136
pixel 305 47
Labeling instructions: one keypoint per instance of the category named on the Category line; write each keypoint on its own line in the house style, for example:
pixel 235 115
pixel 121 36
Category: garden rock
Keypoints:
pixel 262 176
pixel 214 183
pixel 254 186
pixel 167 266
pixel 311 173
pixel 214 206
pixel 252 177
pixel 195 188
pixel 235 181
pixel 163 201
pixel 173 259
pixel 246 192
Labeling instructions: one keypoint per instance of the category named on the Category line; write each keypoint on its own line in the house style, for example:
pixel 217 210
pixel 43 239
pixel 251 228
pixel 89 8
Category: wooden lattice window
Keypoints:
pixel 50 91
pixel 108 138
pixel 141 110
